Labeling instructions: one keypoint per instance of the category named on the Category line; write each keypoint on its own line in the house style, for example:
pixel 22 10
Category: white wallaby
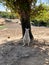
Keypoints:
pixel 26 38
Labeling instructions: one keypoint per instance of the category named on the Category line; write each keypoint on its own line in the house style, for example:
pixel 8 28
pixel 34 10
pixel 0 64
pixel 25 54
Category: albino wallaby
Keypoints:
pixel 26 38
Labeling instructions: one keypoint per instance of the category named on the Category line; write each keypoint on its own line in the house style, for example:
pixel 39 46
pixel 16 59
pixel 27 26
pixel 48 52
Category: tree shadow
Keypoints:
pixel 13 53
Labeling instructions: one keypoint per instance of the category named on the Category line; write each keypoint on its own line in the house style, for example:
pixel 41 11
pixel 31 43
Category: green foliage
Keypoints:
pixel 40 13
pixel 4 15
pixel 18 5
pixel 9 15
pixel 40 23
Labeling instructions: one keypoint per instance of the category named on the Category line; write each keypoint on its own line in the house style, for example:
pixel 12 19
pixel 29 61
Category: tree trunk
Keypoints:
pixel 25 22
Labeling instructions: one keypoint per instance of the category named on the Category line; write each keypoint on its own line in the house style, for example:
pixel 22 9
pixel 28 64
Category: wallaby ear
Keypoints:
pixel 27 29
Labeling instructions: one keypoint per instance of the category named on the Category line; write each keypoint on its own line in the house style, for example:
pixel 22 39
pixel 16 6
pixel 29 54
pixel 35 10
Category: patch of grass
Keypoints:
pixel 2 27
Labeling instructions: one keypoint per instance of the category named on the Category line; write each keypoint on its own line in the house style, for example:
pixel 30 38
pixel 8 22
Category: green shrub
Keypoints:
pixel 8 15
pixel 48 24
pixel 42 23
pixel 36 23
pixel 39 23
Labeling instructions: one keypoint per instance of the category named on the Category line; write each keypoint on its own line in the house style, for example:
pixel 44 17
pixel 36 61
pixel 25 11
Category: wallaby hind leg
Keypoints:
pixel 23 43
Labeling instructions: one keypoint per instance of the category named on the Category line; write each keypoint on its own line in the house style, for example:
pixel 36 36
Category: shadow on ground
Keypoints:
pixel 13 53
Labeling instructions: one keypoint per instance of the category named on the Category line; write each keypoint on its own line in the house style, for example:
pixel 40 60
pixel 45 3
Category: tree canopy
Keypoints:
pixel 41 12
pixel 17 5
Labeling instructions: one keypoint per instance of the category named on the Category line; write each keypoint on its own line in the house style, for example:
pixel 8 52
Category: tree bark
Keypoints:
pixel 25 22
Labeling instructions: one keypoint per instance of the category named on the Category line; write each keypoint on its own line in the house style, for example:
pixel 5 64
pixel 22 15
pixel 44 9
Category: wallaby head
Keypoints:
pixel 26 29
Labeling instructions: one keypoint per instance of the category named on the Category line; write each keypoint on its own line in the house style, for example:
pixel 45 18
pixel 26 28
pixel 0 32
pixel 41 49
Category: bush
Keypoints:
pixel 39 23
pixel 36 23
pixel 42 23
pixel 7 15
pixel 48 24
pixel 12 17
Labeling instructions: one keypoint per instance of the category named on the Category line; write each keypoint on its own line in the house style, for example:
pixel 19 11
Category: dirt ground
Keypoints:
pixel 13 30
pixel 13 53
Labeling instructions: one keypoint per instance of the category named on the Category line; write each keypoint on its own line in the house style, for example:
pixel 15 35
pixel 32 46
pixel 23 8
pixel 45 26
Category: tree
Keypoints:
pixel 41 12
pixel 23 7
